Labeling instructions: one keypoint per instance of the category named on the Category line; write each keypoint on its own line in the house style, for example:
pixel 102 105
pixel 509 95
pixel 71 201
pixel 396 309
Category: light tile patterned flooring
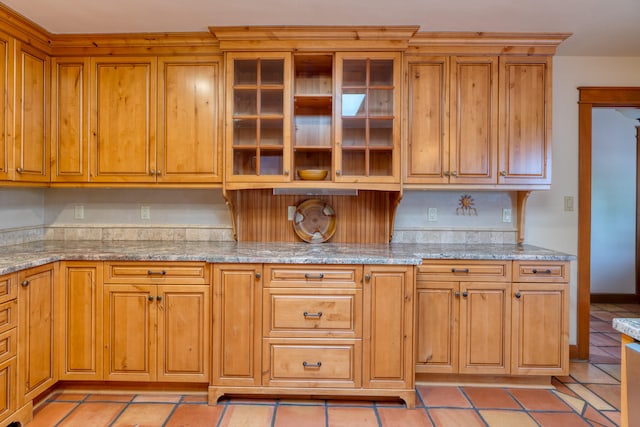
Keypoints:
pixel 589 396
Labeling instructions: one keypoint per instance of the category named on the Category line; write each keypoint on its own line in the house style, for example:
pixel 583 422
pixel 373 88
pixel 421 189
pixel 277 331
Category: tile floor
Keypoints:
pixel 589 396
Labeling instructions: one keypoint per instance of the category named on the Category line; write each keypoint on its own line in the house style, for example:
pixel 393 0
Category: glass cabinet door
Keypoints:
pixel 258 117
pixel 367 131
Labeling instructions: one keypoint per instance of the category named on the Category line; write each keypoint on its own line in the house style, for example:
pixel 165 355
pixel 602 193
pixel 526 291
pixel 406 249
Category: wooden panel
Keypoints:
pixel 7 60
pixel 157 272
pixel 464 270
pixel 8 315
pixel 70 120
pixel 8 287
pixel 543 271
pixel 359 219
pixel 189 119
pixel 8 379
pixel 8 344
pixel 313 276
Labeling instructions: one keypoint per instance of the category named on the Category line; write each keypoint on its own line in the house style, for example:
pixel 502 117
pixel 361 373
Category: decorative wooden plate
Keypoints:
pixel 314 221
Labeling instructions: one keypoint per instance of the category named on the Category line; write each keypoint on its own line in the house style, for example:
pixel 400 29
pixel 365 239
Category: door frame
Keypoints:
pixel 590 97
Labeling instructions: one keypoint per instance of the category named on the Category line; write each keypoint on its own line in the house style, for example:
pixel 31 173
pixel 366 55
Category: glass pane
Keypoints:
pixel 271 132
pixel 244 132
pixel 244 162
pixel 354 103
pixel 381 72
pixel 380 102
pixel 354 133
pixel 380 163
pixel 272 71
pixel 245 72
pixel 354 73
pixel 381 133
pixel 353 163
pixel 245 103
pixel 271 162
pixel 271 102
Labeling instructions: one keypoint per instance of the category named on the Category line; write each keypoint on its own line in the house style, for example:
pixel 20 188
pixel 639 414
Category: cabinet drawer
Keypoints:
pixel 8 315
pixel 313 275
pixel 8 287
pixel 460 270
pixel 538 271
pixel 156 272
pixel 312 312
pixel 8 344
pixel 309 364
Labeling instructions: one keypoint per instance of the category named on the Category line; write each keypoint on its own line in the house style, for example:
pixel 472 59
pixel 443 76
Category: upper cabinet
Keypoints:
pixel 6 104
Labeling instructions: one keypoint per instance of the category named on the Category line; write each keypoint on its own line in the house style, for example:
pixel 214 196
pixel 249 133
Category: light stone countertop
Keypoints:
pixel 628 326
pixel 27 255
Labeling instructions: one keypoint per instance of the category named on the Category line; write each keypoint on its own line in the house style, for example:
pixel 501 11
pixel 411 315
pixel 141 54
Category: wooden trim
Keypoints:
pixel 615 298
pixel 25 30
pixel 637 254
pixel 521 207
pixel 591 97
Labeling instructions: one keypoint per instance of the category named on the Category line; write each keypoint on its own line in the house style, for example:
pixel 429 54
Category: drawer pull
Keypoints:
pixel 318 314
pixel 25 283
pixel 156 273
pixel 314 276
pixel 536 271
pixel 465 294
pixel 456 293
pixel 459 270
pixel 518 295
pixel 311 365
pixel 150 297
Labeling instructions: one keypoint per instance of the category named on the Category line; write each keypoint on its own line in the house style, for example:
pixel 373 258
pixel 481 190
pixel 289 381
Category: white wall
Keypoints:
pixel 21 207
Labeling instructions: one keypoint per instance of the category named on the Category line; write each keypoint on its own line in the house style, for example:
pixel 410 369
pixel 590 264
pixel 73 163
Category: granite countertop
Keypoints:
pixel 628 326
pixel 27 255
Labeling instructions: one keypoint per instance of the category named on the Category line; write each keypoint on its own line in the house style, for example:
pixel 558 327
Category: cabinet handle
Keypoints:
pixel 159 172
pixel 459 270
pixel 313 276
pixel 454 173
pixel 258 275
pixel 465 294
pixel 19 170
pixel 338 172
pixel 367 277
pixel 456 293
pixel 286 173
pixel 311 365
pixel 518 295
pixel 150 297
pixel 503 173
pixel 447 173
pixel 307 314
pixel 25 283
pixel 536 271
pixel 152 172
pixel 159 298
pixel 156 273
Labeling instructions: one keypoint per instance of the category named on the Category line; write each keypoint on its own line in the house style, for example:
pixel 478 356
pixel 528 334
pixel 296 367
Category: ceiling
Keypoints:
pixel 599 27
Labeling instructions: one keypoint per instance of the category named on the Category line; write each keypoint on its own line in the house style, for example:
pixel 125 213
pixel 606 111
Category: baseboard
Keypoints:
pixel 615 298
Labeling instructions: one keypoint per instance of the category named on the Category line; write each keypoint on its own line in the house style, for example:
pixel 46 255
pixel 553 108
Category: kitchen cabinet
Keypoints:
pixel 453 120
pixel 37 367
pixel 7 61
pixel 156 322
pixel 79 329
pixel 8 345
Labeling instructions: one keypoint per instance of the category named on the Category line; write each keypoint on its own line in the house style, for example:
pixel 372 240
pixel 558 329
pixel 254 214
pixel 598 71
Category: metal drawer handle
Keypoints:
pixel 314 276
pixel 159 298
pixel 150 297
pixel 459 270
pixel 25 283
pixel 518 295
pixel 311 365
pixel 307 314
pixel 465 294
pixel 156 273
pixel 536 271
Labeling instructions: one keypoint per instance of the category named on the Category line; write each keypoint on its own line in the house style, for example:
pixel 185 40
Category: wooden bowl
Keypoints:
pixel 312 174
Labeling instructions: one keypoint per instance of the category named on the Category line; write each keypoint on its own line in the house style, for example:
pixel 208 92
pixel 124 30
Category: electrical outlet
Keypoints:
pixel 568 204
pixel 432 215
pixel 291 211
pixel 506 215
pixel 78 212
pixel 145 212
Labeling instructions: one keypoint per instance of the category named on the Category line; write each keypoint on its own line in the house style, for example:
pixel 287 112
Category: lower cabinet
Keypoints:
pixel 8 345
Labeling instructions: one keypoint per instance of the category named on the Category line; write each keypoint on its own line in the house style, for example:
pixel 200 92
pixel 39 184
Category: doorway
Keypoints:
pixel 591 97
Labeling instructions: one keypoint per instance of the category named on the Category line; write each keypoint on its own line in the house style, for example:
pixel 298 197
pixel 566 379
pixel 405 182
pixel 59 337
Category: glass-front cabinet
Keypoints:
pixel 305 117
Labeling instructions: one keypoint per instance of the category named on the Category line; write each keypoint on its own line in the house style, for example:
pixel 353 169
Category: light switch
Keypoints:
pixel 506 215
pixel 78 212
pixel 145 212
pixel 432 214
pixel 568 203
pixel 291 211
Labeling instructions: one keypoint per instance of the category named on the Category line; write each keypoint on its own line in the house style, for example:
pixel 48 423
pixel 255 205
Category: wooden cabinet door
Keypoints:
pixel 437 305
pixel 237 324
pixel 36 356
pixel 183 333
pixel 80 327
pixel 388 359
pixel 70 120
pixel 540 335
pixel 485 318
pixel 129 332
pixel 474 120
pixel 32 115
pixel 8 387
pixel 123 125
pixel 189 119
pixel 427 153
pixel 7 61
pixel 525 120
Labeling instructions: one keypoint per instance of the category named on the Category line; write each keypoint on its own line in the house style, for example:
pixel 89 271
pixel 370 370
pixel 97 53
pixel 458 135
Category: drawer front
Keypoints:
pixel 8 344
pixel 541 271
pixel 460 270
pixel 156 272
pixel 8 315
pixel 313 275
pixel 8 287
pixel 311 364
pixel 312 312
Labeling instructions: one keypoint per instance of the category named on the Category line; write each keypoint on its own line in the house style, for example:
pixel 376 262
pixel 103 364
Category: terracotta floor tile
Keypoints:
pixel 247 416
pixel 144 414
pixel 348 417
pixel 445 417
pixel 587 373
pixel 562 388
pixel 296 416
pixel 195 398
pixel 93 414
pixel 51 413
pixel 601 340
pixel 614 336
pixel 613 369
pixel 110 398
pixel 396 417
pixel 590 397
pixel 600 326
pixel 490 398
pixel 597 418
pixel 68 397
pixel 497 418
pixel 605 316
pixel 559 419
pixel 607 392
pixel 573 401
pixel 157 398
pixel 612 350
pixel 614 416
pixel 539 400
pixel 195 415
pixel 446 396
